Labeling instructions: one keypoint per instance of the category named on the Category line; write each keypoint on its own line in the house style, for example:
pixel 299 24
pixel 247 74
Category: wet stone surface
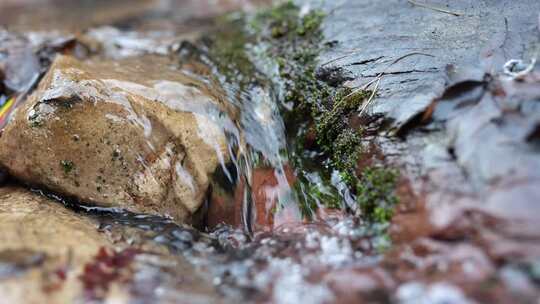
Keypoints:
pixel 412 46
pixel 17 261
pixel 43 257
pixel 467 215
pixel 263 267
pixel 118 134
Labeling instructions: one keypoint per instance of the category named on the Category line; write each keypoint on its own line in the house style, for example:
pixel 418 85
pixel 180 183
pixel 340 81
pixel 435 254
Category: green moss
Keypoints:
pixel 314 195
pixel 375 192
pixel 335 137
pixel 67 166
pixel 346 150
pixel 279 20
pixel 228 48
pixel 310 22
pixel 295 42
pixel 292 44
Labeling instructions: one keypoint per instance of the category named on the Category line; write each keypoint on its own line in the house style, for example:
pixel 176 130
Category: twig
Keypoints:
pixel 408 55
pixel 438 9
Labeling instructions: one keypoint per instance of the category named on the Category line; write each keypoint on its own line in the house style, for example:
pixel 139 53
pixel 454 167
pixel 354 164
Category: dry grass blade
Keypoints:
pixel 437 9
pixel 378 79
pixel 365 86
pixel 341 57
pixel 371 97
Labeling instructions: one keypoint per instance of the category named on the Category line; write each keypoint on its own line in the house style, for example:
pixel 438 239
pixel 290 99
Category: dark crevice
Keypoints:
pixel 366 61
pixel 432 70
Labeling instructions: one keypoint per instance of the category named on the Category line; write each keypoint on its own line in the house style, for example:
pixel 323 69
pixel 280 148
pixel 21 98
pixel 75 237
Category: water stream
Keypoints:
pixel 279 242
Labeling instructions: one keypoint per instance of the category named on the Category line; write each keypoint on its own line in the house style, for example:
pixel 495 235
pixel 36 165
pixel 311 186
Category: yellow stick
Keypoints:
pixel 5 108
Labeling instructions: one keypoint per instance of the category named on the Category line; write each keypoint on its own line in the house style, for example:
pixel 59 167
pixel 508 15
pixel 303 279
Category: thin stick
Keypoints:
pixel 438 9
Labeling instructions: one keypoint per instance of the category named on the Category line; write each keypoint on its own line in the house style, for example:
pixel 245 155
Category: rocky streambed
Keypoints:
pixel 269 152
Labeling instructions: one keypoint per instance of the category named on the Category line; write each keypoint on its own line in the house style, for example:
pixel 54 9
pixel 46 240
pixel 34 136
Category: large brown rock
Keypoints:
pixel 50 254
pixel 135 134
pixel 43 247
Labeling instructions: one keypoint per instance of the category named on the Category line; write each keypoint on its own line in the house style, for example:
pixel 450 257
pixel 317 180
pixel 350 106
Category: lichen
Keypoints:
pixel 35 120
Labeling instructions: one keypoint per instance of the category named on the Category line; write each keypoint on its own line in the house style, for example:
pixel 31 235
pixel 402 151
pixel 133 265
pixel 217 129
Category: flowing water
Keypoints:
pixel 259 140
pixel 276 243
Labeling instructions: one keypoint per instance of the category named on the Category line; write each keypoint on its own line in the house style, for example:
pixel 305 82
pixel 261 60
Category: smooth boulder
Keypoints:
pixel 138 134
pixel 51 254
pixel 43 248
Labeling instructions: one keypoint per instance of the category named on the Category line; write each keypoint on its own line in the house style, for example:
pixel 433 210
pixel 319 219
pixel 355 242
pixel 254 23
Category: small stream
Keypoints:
pixel 276 244
pixel 261 266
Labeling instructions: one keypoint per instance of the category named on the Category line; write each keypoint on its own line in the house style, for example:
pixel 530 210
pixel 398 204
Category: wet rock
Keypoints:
pixel 66 15
pixel 416 292
pixel 223 209
pixel 19 260
pixel 464 103
pixel 136 134
pixel 113 43
pixel 54 255
pixel 493 185
pixel 41 253
pixel 465 228
pixel 19 65
pixel 411 46
pixel 495 119
pixel 370 283
pixel 24 58
pixel 267 187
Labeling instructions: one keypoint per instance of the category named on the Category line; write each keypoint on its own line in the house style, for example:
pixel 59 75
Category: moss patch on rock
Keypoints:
pixel 296 42
pixel 67 166
pixel 313 105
